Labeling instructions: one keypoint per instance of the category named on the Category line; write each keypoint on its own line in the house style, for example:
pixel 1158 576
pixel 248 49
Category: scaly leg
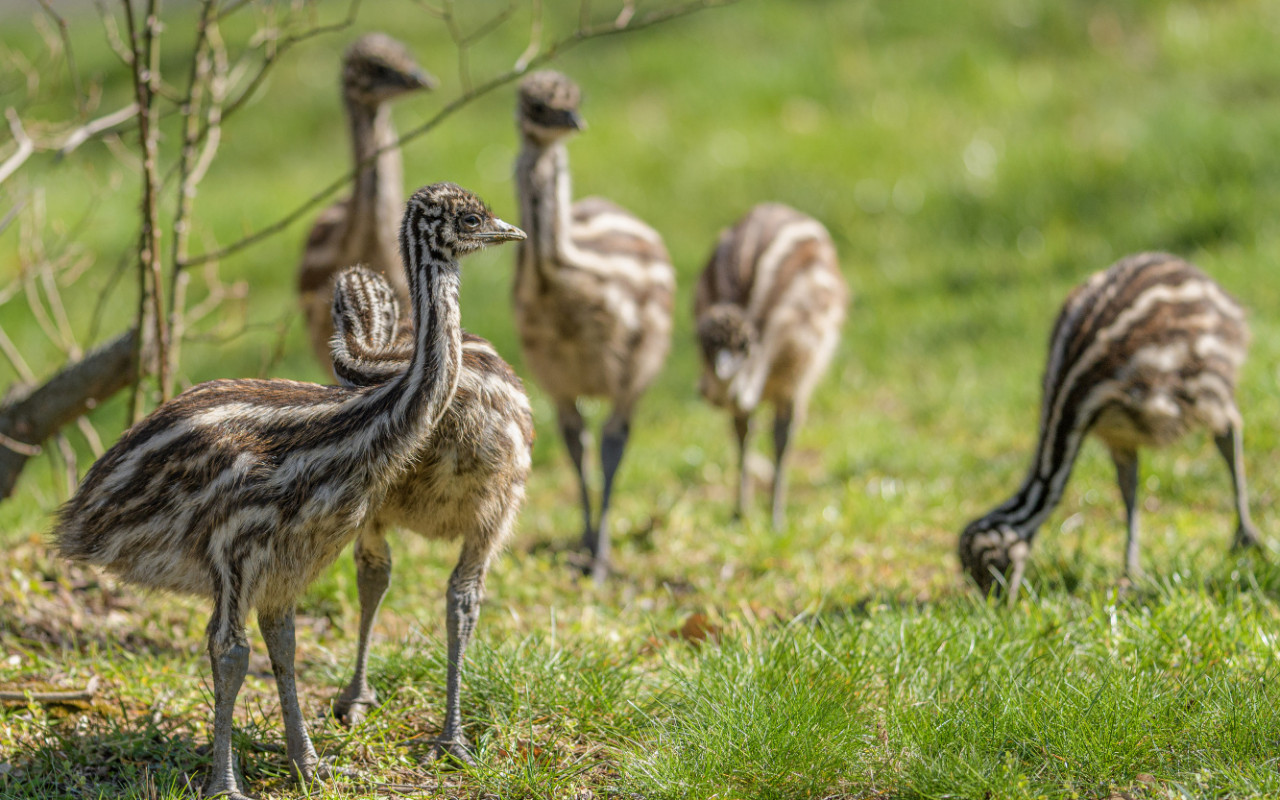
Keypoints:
pixel 782 423
pixel 742 431
pixel 277 632
pixel 229 657
pixel 573 430
pixel 613 443
pixel 1231 445
pixel 373 576
pixel 1126 461
pixel 466 588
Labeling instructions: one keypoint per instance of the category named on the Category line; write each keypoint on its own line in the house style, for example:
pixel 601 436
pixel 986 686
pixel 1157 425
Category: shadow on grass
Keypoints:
pixel 130 756
pixel 109 759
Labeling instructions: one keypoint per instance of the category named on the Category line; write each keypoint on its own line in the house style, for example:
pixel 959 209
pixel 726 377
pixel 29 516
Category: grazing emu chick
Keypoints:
pixel 466 483
pixel 593 293
pixel 768 307
pixel 244 490
pixel 1141 353
pixel 361 229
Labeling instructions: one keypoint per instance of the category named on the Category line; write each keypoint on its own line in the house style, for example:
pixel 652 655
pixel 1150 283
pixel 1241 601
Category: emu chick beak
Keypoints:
pixel 499 231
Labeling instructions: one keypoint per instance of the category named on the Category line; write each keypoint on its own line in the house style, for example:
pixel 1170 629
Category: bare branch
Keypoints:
pixel 32 415
pixel 15 358
pixel 112 29
pixel 91 129
pixel 9 217
pixel 70 53
pixel 151 319
pixel 189 175
pixel 21 448
pixel 561 46
pixel 624 16
pixel 25 146
pixel 535 39
pixel 80 696
pixel 277 48
pixel 91 436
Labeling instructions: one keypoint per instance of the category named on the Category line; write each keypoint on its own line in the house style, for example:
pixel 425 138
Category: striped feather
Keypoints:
pixel 1140 354
pixel 770 301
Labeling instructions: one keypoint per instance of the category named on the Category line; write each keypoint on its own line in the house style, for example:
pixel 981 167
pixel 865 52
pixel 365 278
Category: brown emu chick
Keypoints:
pixel 1142 353
pixel 593 293
pixel 244 490
pixel 466 483
pixel 361 229
pixel 768 307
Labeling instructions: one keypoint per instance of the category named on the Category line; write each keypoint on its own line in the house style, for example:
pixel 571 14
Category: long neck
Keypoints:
pixel 1064 420
pixel 542 178
pixel 403 412
pixel 377 201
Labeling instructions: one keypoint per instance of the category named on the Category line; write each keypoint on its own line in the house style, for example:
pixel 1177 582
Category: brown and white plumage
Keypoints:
pixel 244 490
pixel 361 229
pixel 466 483
pixel 1141 353
pixel 769 306
pixel 593 292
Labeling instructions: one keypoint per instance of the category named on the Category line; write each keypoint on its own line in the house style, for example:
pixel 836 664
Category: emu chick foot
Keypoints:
pixel 457 750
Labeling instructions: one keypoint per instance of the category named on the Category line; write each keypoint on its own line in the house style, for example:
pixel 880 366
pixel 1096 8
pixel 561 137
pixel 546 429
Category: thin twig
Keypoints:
pixel 20 447
pixel 63 32
pixel 16 360
pixel 561 46
pixel 188 179
pixel 13 213
pixel 25 146
pixel 112 29
pixel 151 319
pixel 78 696
pixel 535 38
pixel 91 436
pixel 91 129
pixel 276 49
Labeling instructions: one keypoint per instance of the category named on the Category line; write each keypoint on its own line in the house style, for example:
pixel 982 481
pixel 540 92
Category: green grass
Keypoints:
pixel 974 161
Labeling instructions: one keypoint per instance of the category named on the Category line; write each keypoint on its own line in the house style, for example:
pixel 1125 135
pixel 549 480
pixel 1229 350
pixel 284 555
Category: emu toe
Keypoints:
pixel 456 750
pixel 351 711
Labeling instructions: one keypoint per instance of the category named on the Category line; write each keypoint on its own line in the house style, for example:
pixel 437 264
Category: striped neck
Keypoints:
pixel 542 176
pixel 1062 431
pixel 377 198
pixel 409 406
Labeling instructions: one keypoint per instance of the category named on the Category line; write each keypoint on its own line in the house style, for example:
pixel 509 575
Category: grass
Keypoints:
pixel 974 161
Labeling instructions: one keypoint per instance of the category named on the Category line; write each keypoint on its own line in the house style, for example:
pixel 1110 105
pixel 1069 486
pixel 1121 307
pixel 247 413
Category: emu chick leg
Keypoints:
pixel 229 657
pixel 1231 445
pixel 783 420
pixel 613 443
pixel 466 586
pixel 277 632
pixel 573 430
pixel 1126 462
pixel 742 432
pixel 373 576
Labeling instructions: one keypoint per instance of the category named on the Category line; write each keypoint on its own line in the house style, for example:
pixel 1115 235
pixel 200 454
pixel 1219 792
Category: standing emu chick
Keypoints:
pixel 1142 352
pixel 593 293
pixel 361 229
pixel 244 490
pixel 768 307
pixel 466 483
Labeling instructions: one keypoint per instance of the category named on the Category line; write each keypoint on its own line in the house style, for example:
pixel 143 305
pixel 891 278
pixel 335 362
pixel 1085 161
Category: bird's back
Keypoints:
pixel 777 269
pixel 772 257
pixel 1144 348
pixel 214 474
